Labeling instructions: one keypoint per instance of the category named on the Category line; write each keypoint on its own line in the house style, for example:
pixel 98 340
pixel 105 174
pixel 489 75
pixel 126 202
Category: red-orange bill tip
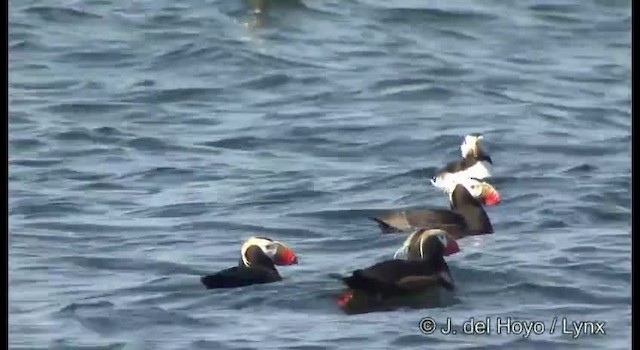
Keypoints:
pixel 288 258
pixel 492 199
pixel 452 248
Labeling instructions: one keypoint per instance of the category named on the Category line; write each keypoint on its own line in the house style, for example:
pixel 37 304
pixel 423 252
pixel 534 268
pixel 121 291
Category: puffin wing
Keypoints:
pixel 403 221
pixel 379 277
pixel 411 283
pixel 429 217
pixel 239 276
pixel 397 276
pixel 457 166
pixel 440 279
pixel 360 280
pixel 393 223
pixel 442 219
pixel 452 167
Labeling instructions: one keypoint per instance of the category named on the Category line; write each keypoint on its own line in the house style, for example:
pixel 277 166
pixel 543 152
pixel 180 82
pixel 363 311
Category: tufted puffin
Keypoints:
pixel 397 278
pixel 475 162
pixel 259 257
pixel 465 217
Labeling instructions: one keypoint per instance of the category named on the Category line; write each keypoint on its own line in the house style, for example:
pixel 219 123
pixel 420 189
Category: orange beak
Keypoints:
pixel 288 258
pixel 451 248
pixel 492 197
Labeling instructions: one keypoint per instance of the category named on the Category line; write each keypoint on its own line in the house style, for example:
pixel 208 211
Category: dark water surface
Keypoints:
pixel 149 138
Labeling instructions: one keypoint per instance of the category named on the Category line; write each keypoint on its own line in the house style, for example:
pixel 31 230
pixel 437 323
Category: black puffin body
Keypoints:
pixel 466 216
pixel 395 278
pixel 257 265
pixel 399 276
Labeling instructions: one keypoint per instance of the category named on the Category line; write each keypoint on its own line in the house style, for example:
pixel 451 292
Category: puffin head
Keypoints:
pixel 478 189
pixel 470 145
pixel 436 244
pixel 278 252
pixel 437 241
pixel 422 242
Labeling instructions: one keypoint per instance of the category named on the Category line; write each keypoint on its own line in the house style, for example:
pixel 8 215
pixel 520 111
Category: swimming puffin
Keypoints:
pixel 413 247
pixel 475 163
pixel 465 217
pixel 259 257
pixel 397 278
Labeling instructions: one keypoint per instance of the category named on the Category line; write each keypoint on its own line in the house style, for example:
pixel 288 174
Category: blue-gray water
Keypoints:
pixel 148 139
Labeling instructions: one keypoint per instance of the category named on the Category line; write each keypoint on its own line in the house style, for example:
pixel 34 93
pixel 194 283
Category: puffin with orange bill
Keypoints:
pixel 465 217
pixel 259 257
pixel 385 283
pixel 475 163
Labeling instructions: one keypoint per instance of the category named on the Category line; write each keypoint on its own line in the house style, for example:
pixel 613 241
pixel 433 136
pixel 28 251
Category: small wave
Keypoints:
pixel 112 57
pixel 173 95
pixel 46 85
pixel 19 118
pixel 101 186
pixel 433 15
pixel 94 230
pixel 64 15
pixel 185 53
pixel 238 143
pixel 152 144
pixel 158 174
pixel 84 108
pixel 265 81
pixel 173 210
pixel 50 209
pixel 555 292
pixel 36 163
pixel 73 307
pixel 26 144
pixel 17 45
pixel 126 264
pixel 582 168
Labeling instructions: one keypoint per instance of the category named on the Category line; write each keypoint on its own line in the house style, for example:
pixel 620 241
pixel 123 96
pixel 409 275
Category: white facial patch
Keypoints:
pixel 447 181
pixel 440 234
pixel 443 239
pixel 450 181
pixel 401 253
pixel 474 187
pixel 469 144
pixel 268 247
